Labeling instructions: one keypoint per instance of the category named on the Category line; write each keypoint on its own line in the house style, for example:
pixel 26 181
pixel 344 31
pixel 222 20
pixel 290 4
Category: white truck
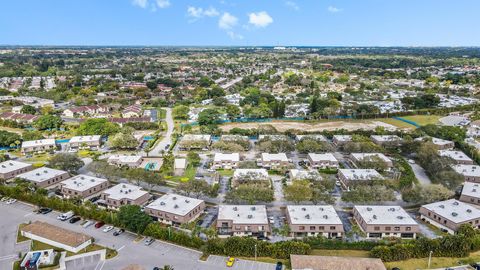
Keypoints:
pixel 66 216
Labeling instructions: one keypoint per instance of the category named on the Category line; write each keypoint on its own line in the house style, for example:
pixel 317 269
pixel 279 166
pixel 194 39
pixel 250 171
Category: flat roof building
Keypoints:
pixel 315 137
pixel 341 139
pixel 83 186
pixel 195 141
pixel 321 161
pixel 359 157
pixel 313 175
pixel 123 160
pixel 379 221
pixel 471 193
pixel 471 173
pixel 443 144
pixel 385 139
pixel 80 142
pixel 458 156
pixel 274 161
pixel 175 209
pixel 179 166
pixel 124 194
pixel 449 215
pixel 37 146
pixel 241 176
pixel 225 161
pixel 11 168
pixel 242 220
pixel 348 177
pixel 314 220
pixel 44 177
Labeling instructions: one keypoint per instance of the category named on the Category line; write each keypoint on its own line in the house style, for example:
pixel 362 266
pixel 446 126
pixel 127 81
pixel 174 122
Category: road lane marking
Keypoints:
pixel 121 248
pixel 27 215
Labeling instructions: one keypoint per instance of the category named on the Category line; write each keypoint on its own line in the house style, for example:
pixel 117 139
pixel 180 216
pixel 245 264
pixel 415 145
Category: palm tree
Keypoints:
pixel 168 267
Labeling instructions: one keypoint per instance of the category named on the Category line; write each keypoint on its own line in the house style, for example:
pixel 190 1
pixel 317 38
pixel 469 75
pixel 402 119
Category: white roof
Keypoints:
pixel 41 174
pixel 361 174
pixel 342 138
pixel 227 157
pixel 360 156
pixel 313 214
pixel 125 191
pixel 84 139
pixel 38 143
pixel 316 137
pixel 12 165
pixel 243 214
pixel 454 210
pixel 455 155
pixel 82 182
pixel 259 173
pixel 384 215
pixel 467 170
pixel 471 189
pixel 180 163
pixel 175 204
pixel 124 159
pixel 438 141
pixel 305 174
pixel 274 157
pixel 273 137
pixel 322 157
pixel 386 138
pixel 233 137
pixel 196 137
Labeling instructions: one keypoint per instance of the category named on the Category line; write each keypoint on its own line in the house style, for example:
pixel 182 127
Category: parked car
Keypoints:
pixel 87 224
pixel 230 261
pixel 148 241
pixel 74 219
pixel 271 220
pixel 118 232
pixel 44 210
pixel 4 199
pixel 279 266
pixel 66 216
pixel 99 224
pixel 11 201
pixel 107 229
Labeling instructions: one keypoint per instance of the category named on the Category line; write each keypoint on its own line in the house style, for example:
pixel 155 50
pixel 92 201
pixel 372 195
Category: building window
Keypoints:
pixel 388 228
pixel 332 227
pixel 397 228
pixel 321 228
pixel 376 228
pixel 408 229
pixel 312 228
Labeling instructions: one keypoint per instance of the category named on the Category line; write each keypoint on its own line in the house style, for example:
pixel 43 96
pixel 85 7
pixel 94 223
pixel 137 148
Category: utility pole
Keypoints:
pixel 430 258
pixel 255 252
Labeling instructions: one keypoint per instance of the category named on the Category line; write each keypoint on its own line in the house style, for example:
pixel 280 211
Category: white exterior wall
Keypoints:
pixel 56 244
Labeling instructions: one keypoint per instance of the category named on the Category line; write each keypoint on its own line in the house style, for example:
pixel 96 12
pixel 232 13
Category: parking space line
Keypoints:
pixel 121 248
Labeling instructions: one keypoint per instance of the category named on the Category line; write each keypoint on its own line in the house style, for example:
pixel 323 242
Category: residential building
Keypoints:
pixel 341 139
pixel 89 110
pixel 92 142
pixel 175 209
pixel 470 193
pixel 83 186
pixel 38 146
pixel 306 262
pixel 443 144
pixel 315 137
pixel 449 215
pixel 123 160
pixel 379 221
pixel 312 175
pixel 242 220
pixel 322 161
pixel 195 141
pixel 226 161
pixel 132 111
pixel 273 137
pixel 11 168
pixel 359 157
pixel 241 176
pixel 471 173
pixel 18 117
pixel 314 220
pixel 385 139
pixel 124 194
pixel 458 156
pixel 274 161
pixel 348 177
pixel 44 177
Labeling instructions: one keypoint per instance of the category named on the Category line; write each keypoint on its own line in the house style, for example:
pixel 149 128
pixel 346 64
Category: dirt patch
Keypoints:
pixel 313 127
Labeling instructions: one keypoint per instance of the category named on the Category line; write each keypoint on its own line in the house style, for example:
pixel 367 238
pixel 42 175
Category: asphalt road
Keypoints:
pixel 167 137
pixel 129 250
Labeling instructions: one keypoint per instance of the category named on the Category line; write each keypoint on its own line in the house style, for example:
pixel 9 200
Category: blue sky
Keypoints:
pixel 241 22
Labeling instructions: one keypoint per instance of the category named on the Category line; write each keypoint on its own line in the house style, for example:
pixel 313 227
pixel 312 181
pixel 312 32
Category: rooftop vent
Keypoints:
pixel 325 216
pixel 369 209
pixel 253 208
pixel 235 208
pixel 374 216
pixel 454 214
pixel 250 216
pixel 307 216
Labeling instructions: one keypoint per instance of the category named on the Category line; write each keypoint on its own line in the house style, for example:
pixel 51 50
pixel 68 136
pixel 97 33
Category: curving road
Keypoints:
pixel 167 137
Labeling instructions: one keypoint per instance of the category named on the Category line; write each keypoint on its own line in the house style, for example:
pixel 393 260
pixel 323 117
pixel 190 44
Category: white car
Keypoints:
pixel 87 224
pixel 271 219
pixel 108 228
pixel 11 201
pixel 4 199
pixel 411 161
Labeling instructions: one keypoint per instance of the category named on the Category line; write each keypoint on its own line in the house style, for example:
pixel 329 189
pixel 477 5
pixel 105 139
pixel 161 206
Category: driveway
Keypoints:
pixel 420 174
pixel 167 137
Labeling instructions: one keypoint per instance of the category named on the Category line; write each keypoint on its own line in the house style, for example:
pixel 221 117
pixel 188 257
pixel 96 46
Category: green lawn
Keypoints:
pixel 440 262
pixel 228 173
pixel 423 119
pixel 340 253
pixel 188 175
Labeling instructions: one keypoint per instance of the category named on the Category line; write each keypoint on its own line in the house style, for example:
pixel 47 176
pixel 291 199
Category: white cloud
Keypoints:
pixel 260 19
pixel 140 3
pixel 163 3
pixel 333 9
pixel 233 35
pixel 200 12
pixel 227 21
pixel 292 5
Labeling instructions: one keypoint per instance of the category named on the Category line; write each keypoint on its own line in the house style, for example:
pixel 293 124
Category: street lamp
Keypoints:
pixel 255 251
pixel 430 258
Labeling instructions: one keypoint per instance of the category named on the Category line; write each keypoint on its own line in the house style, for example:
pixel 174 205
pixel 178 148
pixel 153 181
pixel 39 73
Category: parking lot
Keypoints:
pixel 130 249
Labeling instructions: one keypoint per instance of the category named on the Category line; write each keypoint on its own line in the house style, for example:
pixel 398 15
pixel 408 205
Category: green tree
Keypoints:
pixel 298 191
pixel 28 109
pixel 124 139
pixel 208 117
pixel 233 111
pixel 8 138
pixel 180 112
pixel 97 126
pixel 48 122
pixel 67 162
pixel 32 135
pixel 133 218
